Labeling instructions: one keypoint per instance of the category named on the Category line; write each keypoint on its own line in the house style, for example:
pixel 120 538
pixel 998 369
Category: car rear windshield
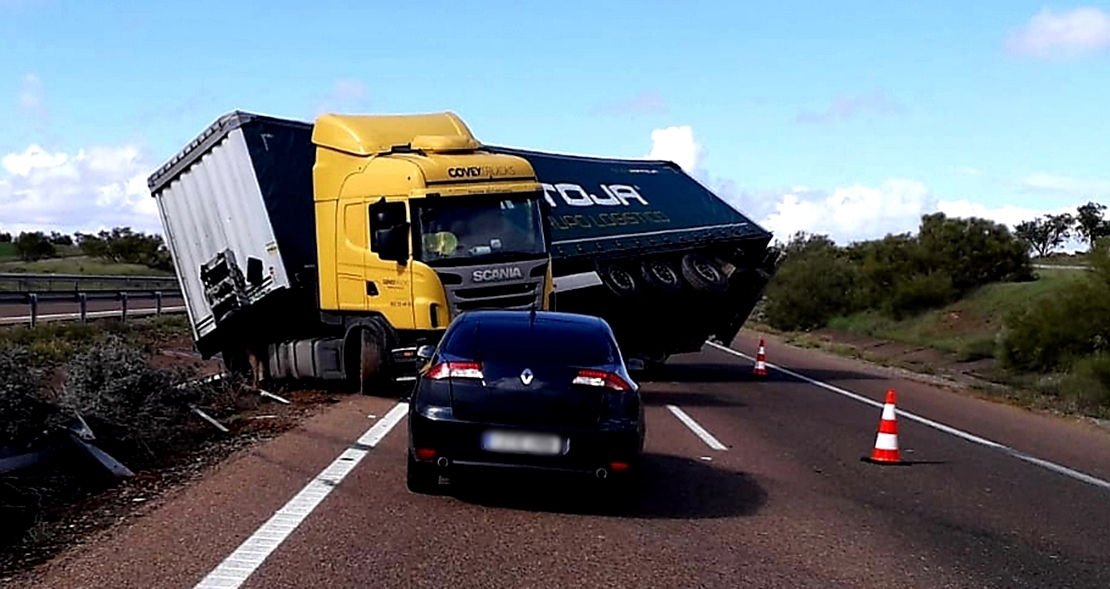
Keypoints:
pixel 548 341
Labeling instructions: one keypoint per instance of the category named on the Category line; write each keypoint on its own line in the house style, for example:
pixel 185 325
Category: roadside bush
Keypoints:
pixel 917 293
pixel 899 275
pixel 815 282
pixel 1054 332
pixel 24 412
pixel 133 407
pixel 1088 384
pixel 973 251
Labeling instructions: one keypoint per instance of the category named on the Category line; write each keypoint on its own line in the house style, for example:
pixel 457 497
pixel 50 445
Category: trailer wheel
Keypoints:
pixel 703 274
pixel 619 280
pixel 661 275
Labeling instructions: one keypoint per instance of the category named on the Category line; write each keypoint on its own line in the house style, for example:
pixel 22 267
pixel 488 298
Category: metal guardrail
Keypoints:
pixel 25 282
pixel 34 299
pixel 1059 267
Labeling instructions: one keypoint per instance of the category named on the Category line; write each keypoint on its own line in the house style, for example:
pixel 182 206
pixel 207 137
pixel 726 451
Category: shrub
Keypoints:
pixel 974 252
pixel 1053 332
pixel 1088 384
pixel 814 283
pixel 125 400
pixel 24 412
pixel 916 293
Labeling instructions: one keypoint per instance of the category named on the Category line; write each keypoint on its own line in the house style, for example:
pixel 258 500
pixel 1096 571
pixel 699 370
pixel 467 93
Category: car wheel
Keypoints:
pixel 422 478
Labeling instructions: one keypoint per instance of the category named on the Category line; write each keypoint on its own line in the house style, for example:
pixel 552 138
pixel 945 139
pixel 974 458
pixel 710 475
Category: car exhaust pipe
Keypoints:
pixel 601 473
pixel 442 462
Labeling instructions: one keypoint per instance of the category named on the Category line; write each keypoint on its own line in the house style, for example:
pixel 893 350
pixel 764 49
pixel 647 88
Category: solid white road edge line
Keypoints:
pixel 1075 474
pixel 696 428
pixel 242 563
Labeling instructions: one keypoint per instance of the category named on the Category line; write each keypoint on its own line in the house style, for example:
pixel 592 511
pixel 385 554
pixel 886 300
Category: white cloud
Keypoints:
pixel 852 213
pixel 849 107
pixel 856 212
pixel 1006 214
pixel 346 95
pixel 1049 33
pixel 1082 187
pixel 31 99
pixel 677 144
pixel 95 188
pixel 644 103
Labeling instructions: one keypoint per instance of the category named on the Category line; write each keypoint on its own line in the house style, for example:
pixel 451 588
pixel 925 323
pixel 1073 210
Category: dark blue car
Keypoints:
pixel 530 390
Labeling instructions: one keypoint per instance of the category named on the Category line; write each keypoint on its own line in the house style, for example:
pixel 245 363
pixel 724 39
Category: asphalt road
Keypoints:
pixel 784 501
pixel 55 311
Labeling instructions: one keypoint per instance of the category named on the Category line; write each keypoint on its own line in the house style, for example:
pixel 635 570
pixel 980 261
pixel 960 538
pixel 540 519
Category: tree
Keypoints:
pixel 122 245
pixel 60 238
pixel 1091 224
pixel 34 246
pixel 5 237
pixel 972 251
pixel 1045 234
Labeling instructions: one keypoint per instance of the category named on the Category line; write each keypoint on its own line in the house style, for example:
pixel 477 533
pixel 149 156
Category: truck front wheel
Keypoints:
pixel 371 362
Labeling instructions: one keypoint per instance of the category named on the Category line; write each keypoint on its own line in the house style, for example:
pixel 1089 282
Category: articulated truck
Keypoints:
pixel 332 250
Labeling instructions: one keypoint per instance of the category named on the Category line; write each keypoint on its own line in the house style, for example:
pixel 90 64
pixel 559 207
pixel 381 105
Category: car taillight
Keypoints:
pixel 455 370
pixel 601 378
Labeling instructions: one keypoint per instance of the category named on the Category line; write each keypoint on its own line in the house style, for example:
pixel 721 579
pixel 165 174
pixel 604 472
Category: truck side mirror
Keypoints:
pixel 392 243
pixel 635 365
pixel 389 231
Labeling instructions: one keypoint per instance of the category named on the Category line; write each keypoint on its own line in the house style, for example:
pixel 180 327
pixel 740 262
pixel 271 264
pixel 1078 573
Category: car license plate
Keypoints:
pixel 522 443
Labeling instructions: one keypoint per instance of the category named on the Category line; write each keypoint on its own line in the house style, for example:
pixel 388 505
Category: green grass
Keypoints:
pixel 78 265
pixel 1062 260
pixel 968 327
pixel 7 250
pixel 54 343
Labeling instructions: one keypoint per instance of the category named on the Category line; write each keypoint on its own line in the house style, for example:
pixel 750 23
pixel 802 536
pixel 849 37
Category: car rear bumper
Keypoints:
pixel 612 446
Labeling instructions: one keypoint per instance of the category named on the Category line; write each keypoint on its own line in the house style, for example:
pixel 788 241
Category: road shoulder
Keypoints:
pixel 188 530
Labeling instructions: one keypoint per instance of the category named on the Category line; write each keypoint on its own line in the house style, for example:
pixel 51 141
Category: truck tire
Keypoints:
pixel 235 361
pixel 371 362
pixel 659 274
pixel 703 274
pixel 619 280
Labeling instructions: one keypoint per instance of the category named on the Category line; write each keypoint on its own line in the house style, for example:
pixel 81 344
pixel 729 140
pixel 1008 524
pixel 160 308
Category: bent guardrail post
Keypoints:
pixel 14 462
pixel 208 418
pixel 102 458
pixel 34 301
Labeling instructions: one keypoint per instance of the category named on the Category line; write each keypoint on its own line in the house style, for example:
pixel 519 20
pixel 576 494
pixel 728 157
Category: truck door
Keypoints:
pixel 388 280
pixel 352 251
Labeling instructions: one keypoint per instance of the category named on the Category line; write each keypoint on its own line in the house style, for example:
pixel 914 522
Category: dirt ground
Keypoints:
pixel 72 518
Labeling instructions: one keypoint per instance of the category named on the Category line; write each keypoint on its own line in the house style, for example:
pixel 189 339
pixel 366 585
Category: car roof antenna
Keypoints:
pixel 532 315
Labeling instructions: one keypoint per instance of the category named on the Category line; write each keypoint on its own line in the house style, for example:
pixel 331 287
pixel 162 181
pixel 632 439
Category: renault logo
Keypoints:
pixel 526 376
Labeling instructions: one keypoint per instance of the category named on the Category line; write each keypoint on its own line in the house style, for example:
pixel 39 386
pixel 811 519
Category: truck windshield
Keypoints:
pixel 464 229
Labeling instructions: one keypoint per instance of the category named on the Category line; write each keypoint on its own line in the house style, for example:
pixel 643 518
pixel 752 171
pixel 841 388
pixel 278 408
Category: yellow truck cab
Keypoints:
pixel 332 250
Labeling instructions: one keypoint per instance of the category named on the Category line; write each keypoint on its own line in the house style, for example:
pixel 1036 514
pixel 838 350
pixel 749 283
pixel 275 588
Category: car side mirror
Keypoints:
pixel 635 365
pixel 424 355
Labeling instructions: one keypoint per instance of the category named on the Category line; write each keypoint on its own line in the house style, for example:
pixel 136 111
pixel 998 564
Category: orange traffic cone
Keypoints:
pixel 886 440
pixel 760 361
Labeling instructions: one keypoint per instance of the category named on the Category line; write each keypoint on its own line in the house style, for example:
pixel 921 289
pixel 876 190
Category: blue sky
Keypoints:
pixel 850 119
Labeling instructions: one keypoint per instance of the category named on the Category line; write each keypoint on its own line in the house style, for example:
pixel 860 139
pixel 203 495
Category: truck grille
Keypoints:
pixel 465 295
